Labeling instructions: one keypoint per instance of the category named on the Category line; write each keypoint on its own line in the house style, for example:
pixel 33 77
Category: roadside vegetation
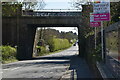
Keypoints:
pixel 8 54
pixel 58 44
pixel 55 45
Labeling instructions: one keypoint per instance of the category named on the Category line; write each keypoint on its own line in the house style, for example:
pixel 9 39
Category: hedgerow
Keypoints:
pixel 8 53
pixel 58 44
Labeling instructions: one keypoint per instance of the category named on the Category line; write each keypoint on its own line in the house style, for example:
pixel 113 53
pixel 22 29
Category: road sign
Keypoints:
pixel 92 22
pixel 95 24
pixel 101 11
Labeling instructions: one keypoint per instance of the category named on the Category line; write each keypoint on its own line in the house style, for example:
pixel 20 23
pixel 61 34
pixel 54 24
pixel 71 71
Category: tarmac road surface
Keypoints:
pixel 65 64
pixel 50 66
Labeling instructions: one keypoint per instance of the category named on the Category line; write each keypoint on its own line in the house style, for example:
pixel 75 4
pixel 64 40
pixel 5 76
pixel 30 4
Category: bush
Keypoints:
pixel 55 44
pixel 8 53
pixel 58 44
pixel 43 50
pixel 73 41
pixel 96 54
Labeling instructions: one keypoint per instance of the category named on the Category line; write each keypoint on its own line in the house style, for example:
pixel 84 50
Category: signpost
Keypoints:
pixel 94 24
pixel 101 12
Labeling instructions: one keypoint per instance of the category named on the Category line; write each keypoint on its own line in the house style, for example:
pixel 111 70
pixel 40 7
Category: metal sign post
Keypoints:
pixel 94 24
pixel 102 45
pixel 95 38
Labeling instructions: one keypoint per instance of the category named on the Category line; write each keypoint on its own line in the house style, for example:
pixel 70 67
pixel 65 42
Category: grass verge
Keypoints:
pixel 9 61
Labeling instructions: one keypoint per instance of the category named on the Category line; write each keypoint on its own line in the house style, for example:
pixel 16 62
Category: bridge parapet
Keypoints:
pixel 52 13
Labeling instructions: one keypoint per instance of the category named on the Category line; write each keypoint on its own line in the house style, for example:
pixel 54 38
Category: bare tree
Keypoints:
pixel 36 5
pixel 77 4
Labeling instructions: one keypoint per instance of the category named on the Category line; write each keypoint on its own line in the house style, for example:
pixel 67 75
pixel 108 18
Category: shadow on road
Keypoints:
pixel 54 57
pixel 78 66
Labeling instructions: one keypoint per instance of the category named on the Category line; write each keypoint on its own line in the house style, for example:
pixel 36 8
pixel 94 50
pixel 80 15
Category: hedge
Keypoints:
pixel 8 53
pixel 58 44
pixel 43 50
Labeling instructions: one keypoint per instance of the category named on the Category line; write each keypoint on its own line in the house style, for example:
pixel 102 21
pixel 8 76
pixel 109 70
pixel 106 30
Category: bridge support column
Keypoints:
pixel 25 42
pixel 81 42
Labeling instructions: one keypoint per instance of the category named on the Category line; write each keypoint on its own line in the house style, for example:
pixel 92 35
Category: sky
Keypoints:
pixel 58 4
pixel 67 29
pixel 54 4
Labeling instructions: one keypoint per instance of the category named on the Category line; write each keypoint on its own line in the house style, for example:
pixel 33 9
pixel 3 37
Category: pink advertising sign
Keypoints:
pixel 92 22
pixel 101 11
pixel 102 17
pixel 95 24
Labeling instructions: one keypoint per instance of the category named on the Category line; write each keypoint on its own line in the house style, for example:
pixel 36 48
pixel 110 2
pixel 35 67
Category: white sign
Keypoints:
pixel 101 7
pixel 101 10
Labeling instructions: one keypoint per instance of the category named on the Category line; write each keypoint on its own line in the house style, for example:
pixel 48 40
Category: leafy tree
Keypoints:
pixel 11 9
pixel 15 8
pixel 69 35
pixel 47 34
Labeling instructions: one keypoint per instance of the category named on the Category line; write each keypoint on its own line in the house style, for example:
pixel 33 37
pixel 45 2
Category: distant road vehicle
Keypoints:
pixel 74 44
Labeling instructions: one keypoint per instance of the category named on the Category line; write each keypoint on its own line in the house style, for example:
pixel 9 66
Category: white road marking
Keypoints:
pixel 13 68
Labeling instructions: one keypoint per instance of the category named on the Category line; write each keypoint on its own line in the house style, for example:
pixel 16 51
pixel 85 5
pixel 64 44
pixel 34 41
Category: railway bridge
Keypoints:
pixel 21 29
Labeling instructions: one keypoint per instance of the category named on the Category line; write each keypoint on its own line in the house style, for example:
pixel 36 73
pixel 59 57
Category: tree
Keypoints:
pixel 36 5
pixel 115 11
pixel 15 8
pixel 69 35
pixel 11 9
pixel 77 4
pixel 52 33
